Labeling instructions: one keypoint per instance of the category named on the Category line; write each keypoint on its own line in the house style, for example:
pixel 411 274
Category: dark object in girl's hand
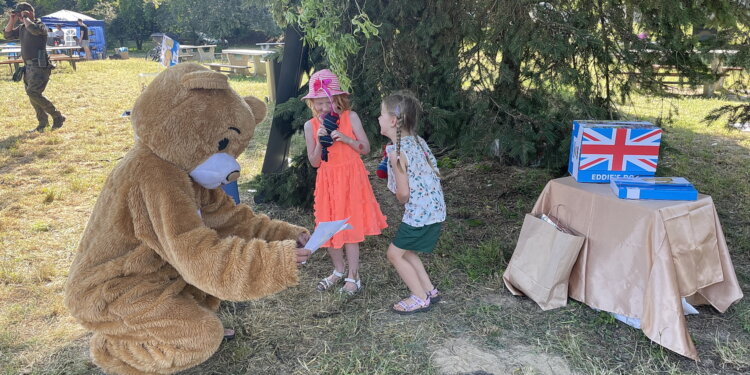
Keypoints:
pixel 331 123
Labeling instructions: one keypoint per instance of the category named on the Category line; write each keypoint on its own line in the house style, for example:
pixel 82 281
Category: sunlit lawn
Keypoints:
pixel 49 184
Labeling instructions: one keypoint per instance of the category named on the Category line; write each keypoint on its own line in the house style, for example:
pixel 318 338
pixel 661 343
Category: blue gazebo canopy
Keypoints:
pixel 69 19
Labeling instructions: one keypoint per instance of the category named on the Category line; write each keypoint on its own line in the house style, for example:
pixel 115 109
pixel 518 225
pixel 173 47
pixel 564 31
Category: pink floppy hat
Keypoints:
pixel 323 84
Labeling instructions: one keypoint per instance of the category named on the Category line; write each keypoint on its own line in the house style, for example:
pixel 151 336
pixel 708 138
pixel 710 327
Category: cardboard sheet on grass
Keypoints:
pixel 541 263
pixel 641 257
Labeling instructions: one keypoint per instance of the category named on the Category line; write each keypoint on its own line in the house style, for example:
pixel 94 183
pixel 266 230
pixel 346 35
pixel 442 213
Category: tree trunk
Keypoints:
pixel 290 77
pixel 509 86
pixel 605 63
pixel 513 43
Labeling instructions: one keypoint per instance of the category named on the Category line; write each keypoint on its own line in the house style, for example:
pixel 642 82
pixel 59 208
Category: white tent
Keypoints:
pixel 69 15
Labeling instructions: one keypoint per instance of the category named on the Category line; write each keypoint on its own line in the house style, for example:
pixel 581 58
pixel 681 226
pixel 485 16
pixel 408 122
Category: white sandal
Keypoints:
pixel 326 282
pixel 357 283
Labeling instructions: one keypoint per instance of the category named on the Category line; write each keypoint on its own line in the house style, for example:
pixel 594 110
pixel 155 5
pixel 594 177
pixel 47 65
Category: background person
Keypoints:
pixel 58 35
pixel 32 34
pixel 85 38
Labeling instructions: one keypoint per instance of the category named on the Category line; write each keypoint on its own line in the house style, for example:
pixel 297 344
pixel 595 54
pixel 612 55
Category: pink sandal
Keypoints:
pixel 417 305
pixel 228 334
pixel 434 295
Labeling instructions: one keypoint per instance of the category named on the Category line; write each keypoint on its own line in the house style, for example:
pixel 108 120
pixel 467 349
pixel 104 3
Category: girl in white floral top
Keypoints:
pixel 414 177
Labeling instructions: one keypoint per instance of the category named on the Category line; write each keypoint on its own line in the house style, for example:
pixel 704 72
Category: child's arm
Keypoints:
pixel 402 180
pixel 360 144
pixel 314 149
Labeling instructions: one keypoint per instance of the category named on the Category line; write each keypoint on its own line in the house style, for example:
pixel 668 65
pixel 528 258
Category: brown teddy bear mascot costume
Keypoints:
pixel 164 244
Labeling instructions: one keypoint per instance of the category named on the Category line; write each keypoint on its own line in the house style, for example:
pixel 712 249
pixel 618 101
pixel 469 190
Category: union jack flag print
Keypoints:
pixel 603 149
pixel 620 149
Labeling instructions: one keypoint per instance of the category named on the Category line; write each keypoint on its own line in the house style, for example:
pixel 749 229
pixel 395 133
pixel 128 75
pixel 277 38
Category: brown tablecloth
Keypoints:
pixel 642 256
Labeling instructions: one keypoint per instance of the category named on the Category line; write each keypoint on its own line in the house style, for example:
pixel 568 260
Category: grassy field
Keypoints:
pixel 50 183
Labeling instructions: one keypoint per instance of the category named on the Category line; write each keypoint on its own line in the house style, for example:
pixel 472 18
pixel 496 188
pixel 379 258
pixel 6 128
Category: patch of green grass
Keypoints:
pixel 741 312
pixel 49 195
pixel 604 318
pixel 41 226
pixel 448 162
pixel 473 223
pixel 78 185
pixel 10 273
pixel 573 347
pixel 483 261
pixel 734 354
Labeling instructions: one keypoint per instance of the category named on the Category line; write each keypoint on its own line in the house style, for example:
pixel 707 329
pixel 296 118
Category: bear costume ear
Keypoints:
pixel 258 107
pixel 205 80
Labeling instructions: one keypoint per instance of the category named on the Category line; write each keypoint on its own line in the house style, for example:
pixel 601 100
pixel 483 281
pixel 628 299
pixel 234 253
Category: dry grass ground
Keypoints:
pixel 50 183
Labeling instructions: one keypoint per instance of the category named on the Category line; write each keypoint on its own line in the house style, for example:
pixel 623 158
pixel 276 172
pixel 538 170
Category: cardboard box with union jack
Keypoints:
pixel 602 149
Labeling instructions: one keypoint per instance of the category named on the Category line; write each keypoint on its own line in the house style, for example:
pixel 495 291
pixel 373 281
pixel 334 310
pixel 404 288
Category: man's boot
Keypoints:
pixel 39 128
pixel 57 122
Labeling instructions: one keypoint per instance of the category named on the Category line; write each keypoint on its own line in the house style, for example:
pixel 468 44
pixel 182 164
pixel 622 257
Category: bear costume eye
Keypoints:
pixel 235 129
pixel 223 144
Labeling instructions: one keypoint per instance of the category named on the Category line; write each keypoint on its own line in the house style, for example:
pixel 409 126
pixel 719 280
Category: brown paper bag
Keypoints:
pixel 541 263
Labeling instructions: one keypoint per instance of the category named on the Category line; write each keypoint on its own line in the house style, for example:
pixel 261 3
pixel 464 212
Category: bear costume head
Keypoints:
pixel 189 114
pixel 164 244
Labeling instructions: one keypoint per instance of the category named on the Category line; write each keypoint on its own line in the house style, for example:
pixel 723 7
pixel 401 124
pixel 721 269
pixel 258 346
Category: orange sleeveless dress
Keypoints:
pixel 342 189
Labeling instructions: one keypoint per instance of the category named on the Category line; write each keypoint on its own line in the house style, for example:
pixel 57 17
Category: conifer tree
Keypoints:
pixel 513 74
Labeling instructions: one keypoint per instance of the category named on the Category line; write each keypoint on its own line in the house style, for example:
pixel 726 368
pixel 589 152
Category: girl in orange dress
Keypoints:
pixel 342 188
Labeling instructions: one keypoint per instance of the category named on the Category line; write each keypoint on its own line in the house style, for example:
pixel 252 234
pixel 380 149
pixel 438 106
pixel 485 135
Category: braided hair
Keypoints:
pixel 406 108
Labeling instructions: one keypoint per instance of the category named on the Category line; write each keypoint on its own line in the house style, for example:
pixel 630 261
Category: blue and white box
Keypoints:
pixel 666 188
pixel 603 149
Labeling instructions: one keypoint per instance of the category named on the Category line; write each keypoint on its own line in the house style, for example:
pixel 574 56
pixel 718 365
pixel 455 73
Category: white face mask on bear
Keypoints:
pixel 219 169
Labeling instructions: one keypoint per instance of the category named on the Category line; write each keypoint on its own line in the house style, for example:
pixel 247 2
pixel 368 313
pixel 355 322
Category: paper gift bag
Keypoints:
pixel 541 263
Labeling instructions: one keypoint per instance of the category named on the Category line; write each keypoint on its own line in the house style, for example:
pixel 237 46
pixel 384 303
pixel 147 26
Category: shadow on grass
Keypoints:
pixel 13 141
pixel 11 144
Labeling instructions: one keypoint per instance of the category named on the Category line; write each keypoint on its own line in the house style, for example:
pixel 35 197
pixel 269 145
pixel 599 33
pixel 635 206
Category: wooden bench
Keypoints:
pixel 62 57
pixel 12 64
pixel 668 74
pixel 228 68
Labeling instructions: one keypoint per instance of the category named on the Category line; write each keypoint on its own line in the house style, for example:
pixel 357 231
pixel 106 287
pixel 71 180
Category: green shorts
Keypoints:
pixel 421 239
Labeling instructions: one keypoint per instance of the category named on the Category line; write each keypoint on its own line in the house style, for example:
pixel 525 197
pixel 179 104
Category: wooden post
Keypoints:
pixel 271 79
pixel 289 79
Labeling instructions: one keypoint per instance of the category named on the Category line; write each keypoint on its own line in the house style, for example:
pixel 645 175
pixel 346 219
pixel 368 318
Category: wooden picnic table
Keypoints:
pixel 8 50
pixel 203 52
pixel 56 53
pixel 238 61
pixel 268 45
pixel 717 63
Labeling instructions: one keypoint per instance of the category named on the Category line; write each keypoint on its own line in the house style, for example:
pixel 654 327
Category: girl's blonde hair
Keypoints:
pixel 341 101
pixel 407 109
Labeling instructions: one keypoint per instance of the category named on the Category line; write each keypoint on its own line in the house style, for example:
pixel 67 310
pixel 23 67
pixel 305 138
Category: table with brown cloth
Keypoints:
pixel 641 257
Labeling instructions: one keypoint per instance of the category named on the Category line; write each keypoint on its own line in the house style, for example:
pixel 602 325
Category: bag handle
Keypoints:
pixel 555 220
pixel 557 211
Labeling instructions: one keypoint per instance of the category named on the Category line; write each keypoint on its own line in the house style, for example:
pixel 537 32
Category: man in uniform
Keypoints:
pixel 32 34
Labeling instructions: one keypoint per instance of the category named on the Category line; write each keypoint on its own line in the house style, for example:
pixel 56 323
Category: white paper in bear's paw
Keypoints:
pixel 324 231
